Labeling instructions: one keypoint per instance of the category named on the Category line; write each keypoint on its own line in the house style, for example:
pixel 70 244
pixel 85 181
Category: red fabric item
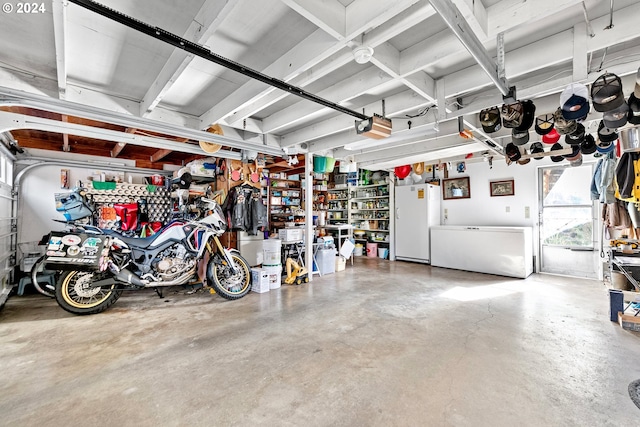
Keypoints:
pixel 402 171
pixel 128 213
pixel 551 138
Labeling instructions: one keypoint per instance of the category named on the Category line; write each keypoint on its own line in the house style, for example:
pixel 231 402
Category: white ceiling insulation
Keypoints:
pixel 419 67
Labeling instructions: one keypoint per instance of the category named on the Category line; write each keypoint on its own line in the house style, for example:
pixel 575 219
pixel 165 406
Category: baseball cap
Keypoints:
pixel 512 114
pixel 576 137
pixel 574 101
pixel 605 147
pixel 556 147
pixel 562 125
pixel 544 124
pixel 535 148
pixel 606 134
pixel 575 151
pixel 606 92
pixel 634 109
pixel 519 137
pixel 528 115
pixel 524 161
pixel 577 161
pixel 490 119
pixel 617 117
pixel 588 146
pixel 552 137
pixel 513 152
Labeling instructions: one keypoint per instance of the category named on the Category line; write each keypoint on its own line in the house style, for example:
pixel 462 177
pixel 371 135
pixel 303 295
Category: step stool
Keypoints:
pixel 45 278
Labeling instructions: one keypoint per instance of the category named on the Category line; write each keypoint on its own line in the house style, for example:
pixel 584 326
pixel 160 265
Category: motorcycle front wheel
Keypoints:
pixel 227 284
pixel 75 294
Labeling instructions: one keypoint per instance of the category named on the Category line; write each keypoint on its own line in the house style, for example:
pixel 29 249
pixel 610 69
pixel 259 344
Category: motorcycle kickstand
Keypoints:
pixel 159 292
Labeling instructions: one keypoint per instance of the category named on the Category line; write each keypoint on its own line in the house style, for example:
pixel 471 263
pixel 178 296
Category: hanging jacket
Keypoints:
pixel 627 178
pixel 244 209
pixel 595 181
pixel 607 180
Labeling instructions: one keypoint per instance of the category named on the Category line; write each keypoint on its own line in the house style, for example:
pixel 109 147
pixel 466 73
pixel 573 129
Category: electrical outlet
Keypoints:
pixel 527 212
pixel 446 214
pixel 507 209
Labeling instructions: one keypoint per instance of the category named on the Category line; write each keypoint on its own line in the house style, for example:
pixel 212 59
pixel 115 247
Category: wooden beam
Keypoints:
pixel 120 145
pixel 65 137
pixel 159 155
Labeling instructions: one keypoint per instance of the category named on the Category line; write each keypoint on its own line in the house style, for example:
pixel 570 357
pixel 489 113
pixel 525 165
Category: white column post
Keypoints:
pixel 308 212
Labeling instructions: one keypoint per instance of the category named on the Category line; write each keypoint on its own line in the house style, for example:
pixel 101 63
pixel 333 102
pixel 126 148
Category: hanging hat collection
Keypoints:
pixel 566 122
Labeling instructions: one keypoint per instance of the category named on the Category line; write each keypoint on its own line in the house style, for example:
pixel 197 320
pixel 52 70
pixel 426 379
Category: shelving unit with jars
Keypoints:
pixel 370 208
pixel 338 206
pixel 285 197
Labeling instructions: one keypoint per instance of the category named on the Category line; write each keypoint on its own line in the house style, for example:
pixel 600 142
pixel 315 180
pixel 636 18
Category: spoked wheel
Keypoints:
pixel 75 294
pixel 227 284
pixel 44 288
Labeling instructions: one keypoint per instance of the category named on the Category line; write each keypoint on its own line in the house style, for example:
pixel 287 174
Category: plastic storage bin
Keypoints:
pixel 275 276
pixel 326 260
pixel 272 252
pixel 372 250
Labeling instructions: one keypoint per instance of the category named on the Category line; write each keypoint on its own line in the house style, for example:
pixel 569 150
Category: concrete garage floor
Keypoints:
pixel 380 344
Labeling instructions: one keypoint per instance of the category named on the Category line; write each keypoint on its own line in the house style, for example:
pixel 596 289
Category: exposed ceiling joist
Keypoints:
pixel 9 97
pixel 13 121
pixel 460 27
pixel 205 23
pixel 59 11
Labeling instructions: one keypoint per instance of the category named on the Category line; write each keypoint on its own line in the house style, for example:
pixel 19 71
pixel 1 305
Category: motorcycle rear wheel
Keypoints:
pixel 44 288
pixel 226 284
pixel 74 294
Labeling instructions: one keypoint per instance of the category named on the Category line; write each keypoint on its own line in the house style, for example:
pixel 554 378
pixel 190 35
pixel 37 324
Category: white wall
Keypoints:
pixel 36 201
pixel 482 209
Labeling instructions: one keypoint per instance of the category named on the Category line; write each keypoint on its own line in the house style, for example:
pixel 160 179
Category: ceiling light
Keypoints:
pixel 362 54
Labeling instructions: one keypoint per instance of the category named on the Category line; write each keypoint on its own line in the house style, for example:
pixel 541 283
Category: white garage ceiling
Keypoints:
pixel 418 66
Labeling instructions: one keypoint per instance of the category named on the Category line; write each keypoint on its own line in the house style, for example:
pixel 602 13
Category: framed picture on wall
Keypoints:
pixel 456 188
pixel 502 188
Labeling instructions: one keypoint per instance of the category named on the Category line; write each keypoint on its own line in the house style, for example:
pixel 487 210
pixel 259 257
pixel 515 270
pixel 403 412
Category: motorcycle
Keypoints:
pixel 171 257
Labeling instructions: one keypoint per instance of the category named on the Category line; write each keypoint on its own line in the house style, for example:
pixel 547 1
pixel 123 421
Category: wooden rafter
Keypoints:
pixel 120 145
pixel 65 137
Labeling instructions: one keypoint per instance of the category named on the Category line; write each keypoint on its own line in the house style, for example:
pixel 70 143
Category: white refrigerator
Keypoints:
pixel 417 209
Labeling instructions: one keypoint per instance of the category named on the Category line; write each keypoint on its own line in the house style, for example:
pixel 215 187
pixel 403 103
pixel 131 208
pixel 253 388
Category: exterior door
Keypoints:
pixel 568 222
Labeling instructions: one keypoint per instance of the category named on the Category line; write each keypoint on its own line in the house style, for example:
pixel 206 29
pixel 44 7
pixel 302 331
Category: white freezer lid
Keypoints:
pixel 481 228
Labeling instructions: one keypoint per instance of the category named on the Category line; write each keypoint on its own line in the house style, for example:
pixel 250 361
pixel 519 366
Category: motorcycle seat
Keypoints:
pixel 138 242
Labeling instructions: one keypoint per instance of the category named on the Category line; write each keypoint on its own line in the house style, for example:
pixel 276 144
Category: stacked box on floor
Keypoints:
pixel 259 280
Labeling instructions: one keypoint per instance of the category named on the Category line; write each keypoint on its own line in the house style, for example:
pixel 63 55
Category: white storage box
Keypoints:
pixel 290 234
pixel 259 280
pixel 326 260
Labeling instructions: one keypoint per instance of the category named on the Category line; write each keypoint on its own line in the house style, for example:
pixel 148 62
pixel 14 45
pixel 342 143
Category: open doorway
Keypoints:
pixel 568 221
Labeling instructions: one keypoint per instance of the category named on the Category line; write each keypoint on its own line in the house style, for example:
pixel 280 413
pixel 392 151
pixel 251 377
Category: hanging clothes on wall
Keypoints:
pixel 244 209
pixel 602 184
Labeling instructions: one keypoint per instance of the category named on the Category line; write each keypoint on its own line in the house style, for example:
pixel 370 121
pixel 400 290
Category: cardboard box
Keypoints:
pixel 259 280
pixel 290 234
pixel 630 323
